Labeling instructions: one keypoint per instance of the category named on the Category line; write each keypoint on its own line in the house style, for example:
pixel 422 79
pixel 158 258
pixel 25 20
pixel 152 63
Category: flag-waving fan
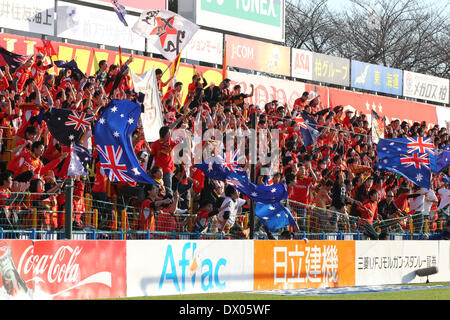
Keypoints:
pixel 68 126
pixel 166 30
pixel 13 60
pixel 112 136
pixel 377 126
pixel 71 65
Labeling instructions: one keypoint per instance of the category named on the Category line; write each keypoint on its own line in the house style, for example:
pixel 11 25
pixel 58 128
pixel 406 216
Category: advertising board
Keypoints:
pixel 257 55
pixel 261 19
pixel 425 87
pixel 330 69
pixel 30 16
pixel 300 264
pixel 57 270
pixel 94 25
pixel 393 262
pixel 376 78
pixel 161 267
pixel 301 64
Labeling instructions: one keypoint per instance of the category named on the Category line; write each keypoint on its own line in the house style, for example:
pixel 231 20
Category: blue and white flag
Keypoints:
pixel 112 134
pixel 442 159
pixel 80 159
pixel 214 168
pixel 120 11
pixel 308 129
pixel 412 157
pixel 274 216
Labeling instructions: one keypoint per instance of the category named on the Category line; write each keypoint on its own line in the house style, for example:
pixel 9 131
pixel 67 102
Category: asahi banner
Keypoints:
pixel 425 87
pixel 329 69
pixel 301 64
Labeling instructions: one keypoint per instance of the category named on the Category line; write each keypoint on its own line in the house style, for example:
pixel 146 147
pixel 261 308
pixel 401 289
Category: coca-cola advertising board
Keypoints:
pixel 62 270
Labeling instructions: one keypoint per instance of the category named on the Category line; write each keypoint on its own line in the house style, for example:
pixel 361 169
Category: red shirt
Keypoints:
pixel 300 191
pixel 162 152
pixel 367 218
pixel 22 74
pixel 146 217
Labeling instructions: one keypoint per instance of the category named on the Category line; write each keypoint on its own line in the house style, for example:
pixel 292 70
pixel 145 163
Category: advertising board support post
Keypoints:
pixel 68 212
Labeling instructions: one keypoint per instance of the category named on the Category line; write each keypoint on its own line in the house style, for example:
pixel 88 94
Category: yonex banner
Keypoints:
pixel 329 69
pixel 376 78
pixel 262 19
pixel 425 87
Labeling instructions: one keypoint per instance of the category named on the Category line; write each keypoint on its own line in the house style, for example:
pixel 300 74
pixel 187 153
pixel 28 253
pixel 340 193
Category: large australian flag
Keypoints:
pixel 215 168
pixel 68 126
pixel 112 135
pixel 412 157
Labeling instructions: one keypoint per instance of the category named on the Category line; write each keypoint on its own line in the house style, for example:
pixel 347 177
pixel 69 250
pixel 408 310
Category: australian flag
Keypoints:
pixel 75 164
pixel 308 128
pixel 412 157
pixel 214 168
pixel 80 159
pixel 13 60
pixel 120 11
pixel 66 125
pixel 112 136
pixel 274 216
pixel 442 159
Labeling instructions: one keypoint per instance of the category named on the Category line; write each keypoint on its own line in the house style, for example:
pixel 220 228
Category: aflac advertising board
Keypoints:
pixel 184 267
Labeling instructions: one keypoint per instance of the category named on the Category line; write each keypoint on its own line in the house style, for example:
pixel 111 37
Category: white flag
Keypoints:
pixel 166 30
pixel 152 119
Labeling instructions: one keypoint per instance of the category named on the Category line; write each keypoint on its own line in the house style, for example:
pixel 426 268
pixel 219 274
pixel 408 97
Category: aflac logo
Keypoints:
pixel 191 270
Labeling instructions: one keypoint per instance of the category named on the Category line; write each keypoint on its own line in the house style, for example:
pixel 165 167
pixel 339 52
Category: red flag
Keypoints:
pixel 120 57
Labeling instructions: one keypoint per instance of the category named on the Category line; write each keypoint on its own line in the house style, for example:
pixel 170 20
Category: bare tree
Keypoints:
pixel 308 26
pixel 403 34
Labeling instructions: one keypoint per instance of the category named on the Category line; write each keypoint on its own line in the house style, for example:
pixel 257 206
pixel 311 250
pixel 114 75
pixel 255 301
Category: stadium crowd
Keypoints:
pixel 332 183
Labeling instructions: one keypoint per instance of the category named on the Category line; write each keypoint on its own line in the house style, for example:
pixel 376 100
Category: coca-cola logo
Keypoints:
pixel 58 267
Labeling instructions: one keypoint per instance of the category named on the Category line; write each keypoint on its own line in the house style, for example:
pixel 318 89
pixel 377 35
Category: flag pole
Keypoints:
pixel 251 219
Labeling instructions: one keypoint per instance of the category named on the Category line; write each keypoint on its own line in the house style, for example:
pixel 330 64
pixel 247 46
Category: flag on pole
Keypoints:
pixel 174 66
pixel 152 119
pixel 112 136
pixel 120 57
pixel 13 60
pixel 224 63
pixel 377 127
pixel 166 30
pixel 120 11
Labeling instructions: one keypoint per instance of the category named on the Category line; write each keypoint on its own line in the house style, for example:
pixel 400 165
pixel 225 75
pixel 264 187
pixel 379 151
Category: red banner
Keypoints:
pixel 55 270
pixel 364 103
